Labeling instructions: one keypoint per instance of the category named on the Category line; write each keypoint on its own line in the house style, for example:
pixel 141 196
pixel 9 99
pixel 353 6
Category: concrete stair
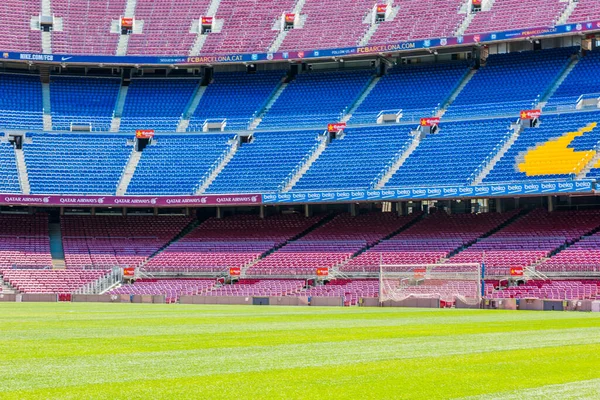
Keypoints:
pixel 261 114
pixel 318 150
pixel 478 179
pixel 22 169
pixel 218 167
pixel 115 124
pixel 46 42
pixel 46 105
pixel 463 83
pixel 184 122
pixel 132 163
pixel 556 84
pixel 401 157
pixel 564 17
pixel 586 170
pixel 56 246
pixel 464 25
pixel 370 86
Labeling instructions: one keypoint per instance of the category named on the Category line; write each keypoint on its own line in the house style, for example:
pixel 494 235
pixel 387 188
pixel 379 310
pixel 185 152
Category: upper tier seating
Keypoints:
pixel 586 10
pixel 9 176
pixel 354 161
pixel 551 290
pixel 77 100
pixel 403 89
pixel 247 26
pixel 15 26
pixel 50 281
pixel 21 102
pixel 414 21
pixel 177 164
pixel 515 14
pixel 316 98
pixel 454 155
pixel 75 164
pixel 330 24
pixel 218 244
pixel 583 79
pixel 518 79
pixel 166 26
pixel 156 103
pixel 558 149
pixel 235 96
pixel 86 26
pixel 108 241
pixel 172 289
pixel 427 241
pixel 331 244
pixel 264 164
pixel 24 241
pixel 529 239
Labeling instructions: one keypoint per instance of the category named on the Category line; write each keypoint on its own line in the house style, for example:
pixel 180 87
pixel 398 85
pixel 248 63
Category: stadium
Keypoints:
pixel 404 185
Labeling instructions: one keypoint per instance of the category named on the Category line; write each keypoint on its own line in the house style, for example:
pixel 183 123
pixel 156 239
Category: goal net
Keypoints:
pixel 446 282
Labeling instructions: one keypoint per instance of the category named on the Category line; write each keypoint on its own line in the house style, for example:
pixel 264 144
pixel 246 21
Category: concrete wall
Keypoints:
pixel 39 297
pixel 327 301
pixel 8 297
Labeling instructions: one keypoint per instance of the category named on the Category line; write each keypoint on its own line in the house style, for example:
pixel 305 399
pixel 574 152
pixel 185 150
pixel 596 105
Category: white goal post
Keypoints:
pixel 446 282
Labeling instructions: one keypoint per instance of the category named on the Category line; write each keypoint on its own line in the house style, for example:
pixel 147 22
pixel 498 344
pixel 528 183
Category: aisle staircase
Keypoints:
pixel 56 246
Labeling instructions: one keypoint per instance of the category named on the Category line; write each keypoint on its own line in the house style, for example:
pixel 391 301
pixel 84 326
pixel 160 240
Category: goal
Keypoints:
pixel 446 282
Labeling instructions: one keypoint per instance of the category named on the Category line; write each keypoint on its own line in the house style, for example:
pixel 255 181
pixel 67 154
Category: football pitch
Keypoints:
pixel 131 351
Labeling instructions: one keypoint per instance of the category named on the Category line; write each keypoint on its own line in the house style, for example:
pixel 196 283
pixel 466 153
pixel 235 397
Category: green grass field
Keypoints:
pixel 127 351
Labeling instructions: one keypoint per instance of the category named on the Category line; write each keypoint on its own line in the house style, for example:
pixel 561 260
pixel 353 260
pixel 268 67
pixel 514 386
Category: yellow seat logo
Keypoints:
pixel 554 157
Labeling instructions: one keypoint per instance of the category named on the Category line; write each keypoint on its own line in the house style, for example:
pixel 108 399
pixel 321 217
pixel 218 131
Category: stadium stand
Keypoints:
pixel 552 290
pixel 255 287
pixel 581 80
pixel 9 176
pixel 400 88
pixel 83 101
pixel 296 107
pixel 330 245
pixel 582 256
pixel 264 164
pixel 24 242
pixel 236 97
pixel 21 102
pixel 50 281
pixel 166 26
pixel 429 241
pixel 356 160
pixel 15 30
pixel 177 164
pixel 560 148
pixel 171 288
pixel 86 26
pixel 454 155
pixel 247 26
pixel 156 104
pixel 102 242
pixel 513 14
pixel 586 10
pixel 235 241
pixel 413 21
pixel 529 240
pixel 351 290
pixel 519 80
pixel 337 23
pixel 68 163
